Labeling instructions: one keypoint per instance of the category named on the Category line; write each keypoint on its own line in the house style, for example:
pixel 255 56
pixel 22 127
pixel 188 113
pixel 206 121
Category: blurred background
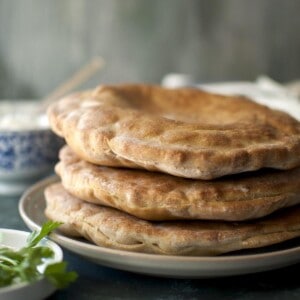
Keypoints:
pixel 42 43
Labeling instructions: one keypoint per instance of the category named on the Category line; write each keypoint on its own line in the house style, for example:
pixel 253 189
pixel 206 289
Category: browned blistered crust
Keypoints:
pixel 111 228
pixel 184 132
pixel 156 196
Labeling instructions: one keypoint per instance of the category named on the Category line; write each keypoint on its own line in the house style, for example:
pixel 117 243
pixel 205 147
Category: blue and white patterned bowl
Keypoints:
pixel 28 148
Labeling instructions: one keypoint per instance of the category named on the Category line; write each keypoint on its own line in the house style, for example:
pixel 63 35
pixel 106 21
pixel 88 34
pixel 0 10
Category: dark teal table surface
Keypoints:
pixel 97 282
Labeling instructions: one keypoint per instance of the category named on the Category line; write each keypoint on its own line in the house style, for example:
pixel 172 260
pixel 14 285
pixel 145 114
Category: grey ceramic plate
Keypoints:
pixel 31 208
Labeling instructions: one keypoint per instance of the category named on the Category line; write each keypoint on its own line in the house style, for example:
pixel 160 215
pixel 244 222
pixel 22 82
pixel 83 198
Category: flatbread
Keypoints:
pixel 184 132
pixel 156 196
pixel 108 227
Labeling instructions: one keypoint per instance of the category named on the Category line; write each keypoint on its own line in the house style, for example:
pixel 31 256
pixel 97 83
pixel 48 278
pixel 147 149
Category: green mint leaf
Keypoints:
pixel 21 265
pixel 35 237
pixel 7 275
pixel 58 275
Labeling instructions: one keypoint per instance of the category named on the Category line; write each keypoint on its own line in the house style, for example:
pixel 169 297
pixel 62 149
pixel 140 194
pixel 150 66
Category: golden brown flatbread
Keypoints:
pixel 156 196
pixel 184 132
pixel 114 229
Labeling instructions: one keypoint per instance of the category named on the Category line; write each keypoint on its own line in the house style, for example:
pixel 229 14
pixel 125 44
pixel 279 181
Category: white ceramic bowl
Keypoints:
pixel 27 291
pixel 28 148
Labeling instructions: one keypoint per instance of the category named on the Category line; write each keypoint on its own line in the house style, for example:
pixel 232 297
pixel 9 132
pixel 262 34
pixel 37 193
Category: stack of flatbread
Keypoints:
pixel 174 171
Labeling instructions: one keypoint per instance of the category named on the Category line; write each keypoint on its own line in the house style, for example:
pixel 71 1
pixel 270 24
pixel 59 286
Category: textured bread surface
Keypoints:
pixel 184 132
pixel 157 196
pixel 108 227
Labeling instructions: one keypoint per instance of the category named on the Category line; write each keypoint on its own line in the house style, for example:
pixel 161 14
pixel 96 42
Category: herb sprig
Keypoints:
pixel 17 266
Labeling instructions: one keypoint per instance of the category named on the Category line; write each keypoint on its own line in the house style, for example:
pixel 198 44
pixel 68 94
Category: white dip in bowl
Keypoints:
pixel 28 148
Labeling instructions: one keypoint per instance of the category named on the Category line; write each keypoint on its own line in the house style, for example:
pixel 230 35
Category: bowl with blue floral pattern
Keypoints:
pixel 28 147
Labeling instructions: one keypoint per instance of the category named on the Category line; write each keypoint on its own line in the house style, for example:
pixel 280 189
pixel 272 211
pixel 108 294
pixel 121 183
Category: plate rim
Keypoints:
pixel 291 254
